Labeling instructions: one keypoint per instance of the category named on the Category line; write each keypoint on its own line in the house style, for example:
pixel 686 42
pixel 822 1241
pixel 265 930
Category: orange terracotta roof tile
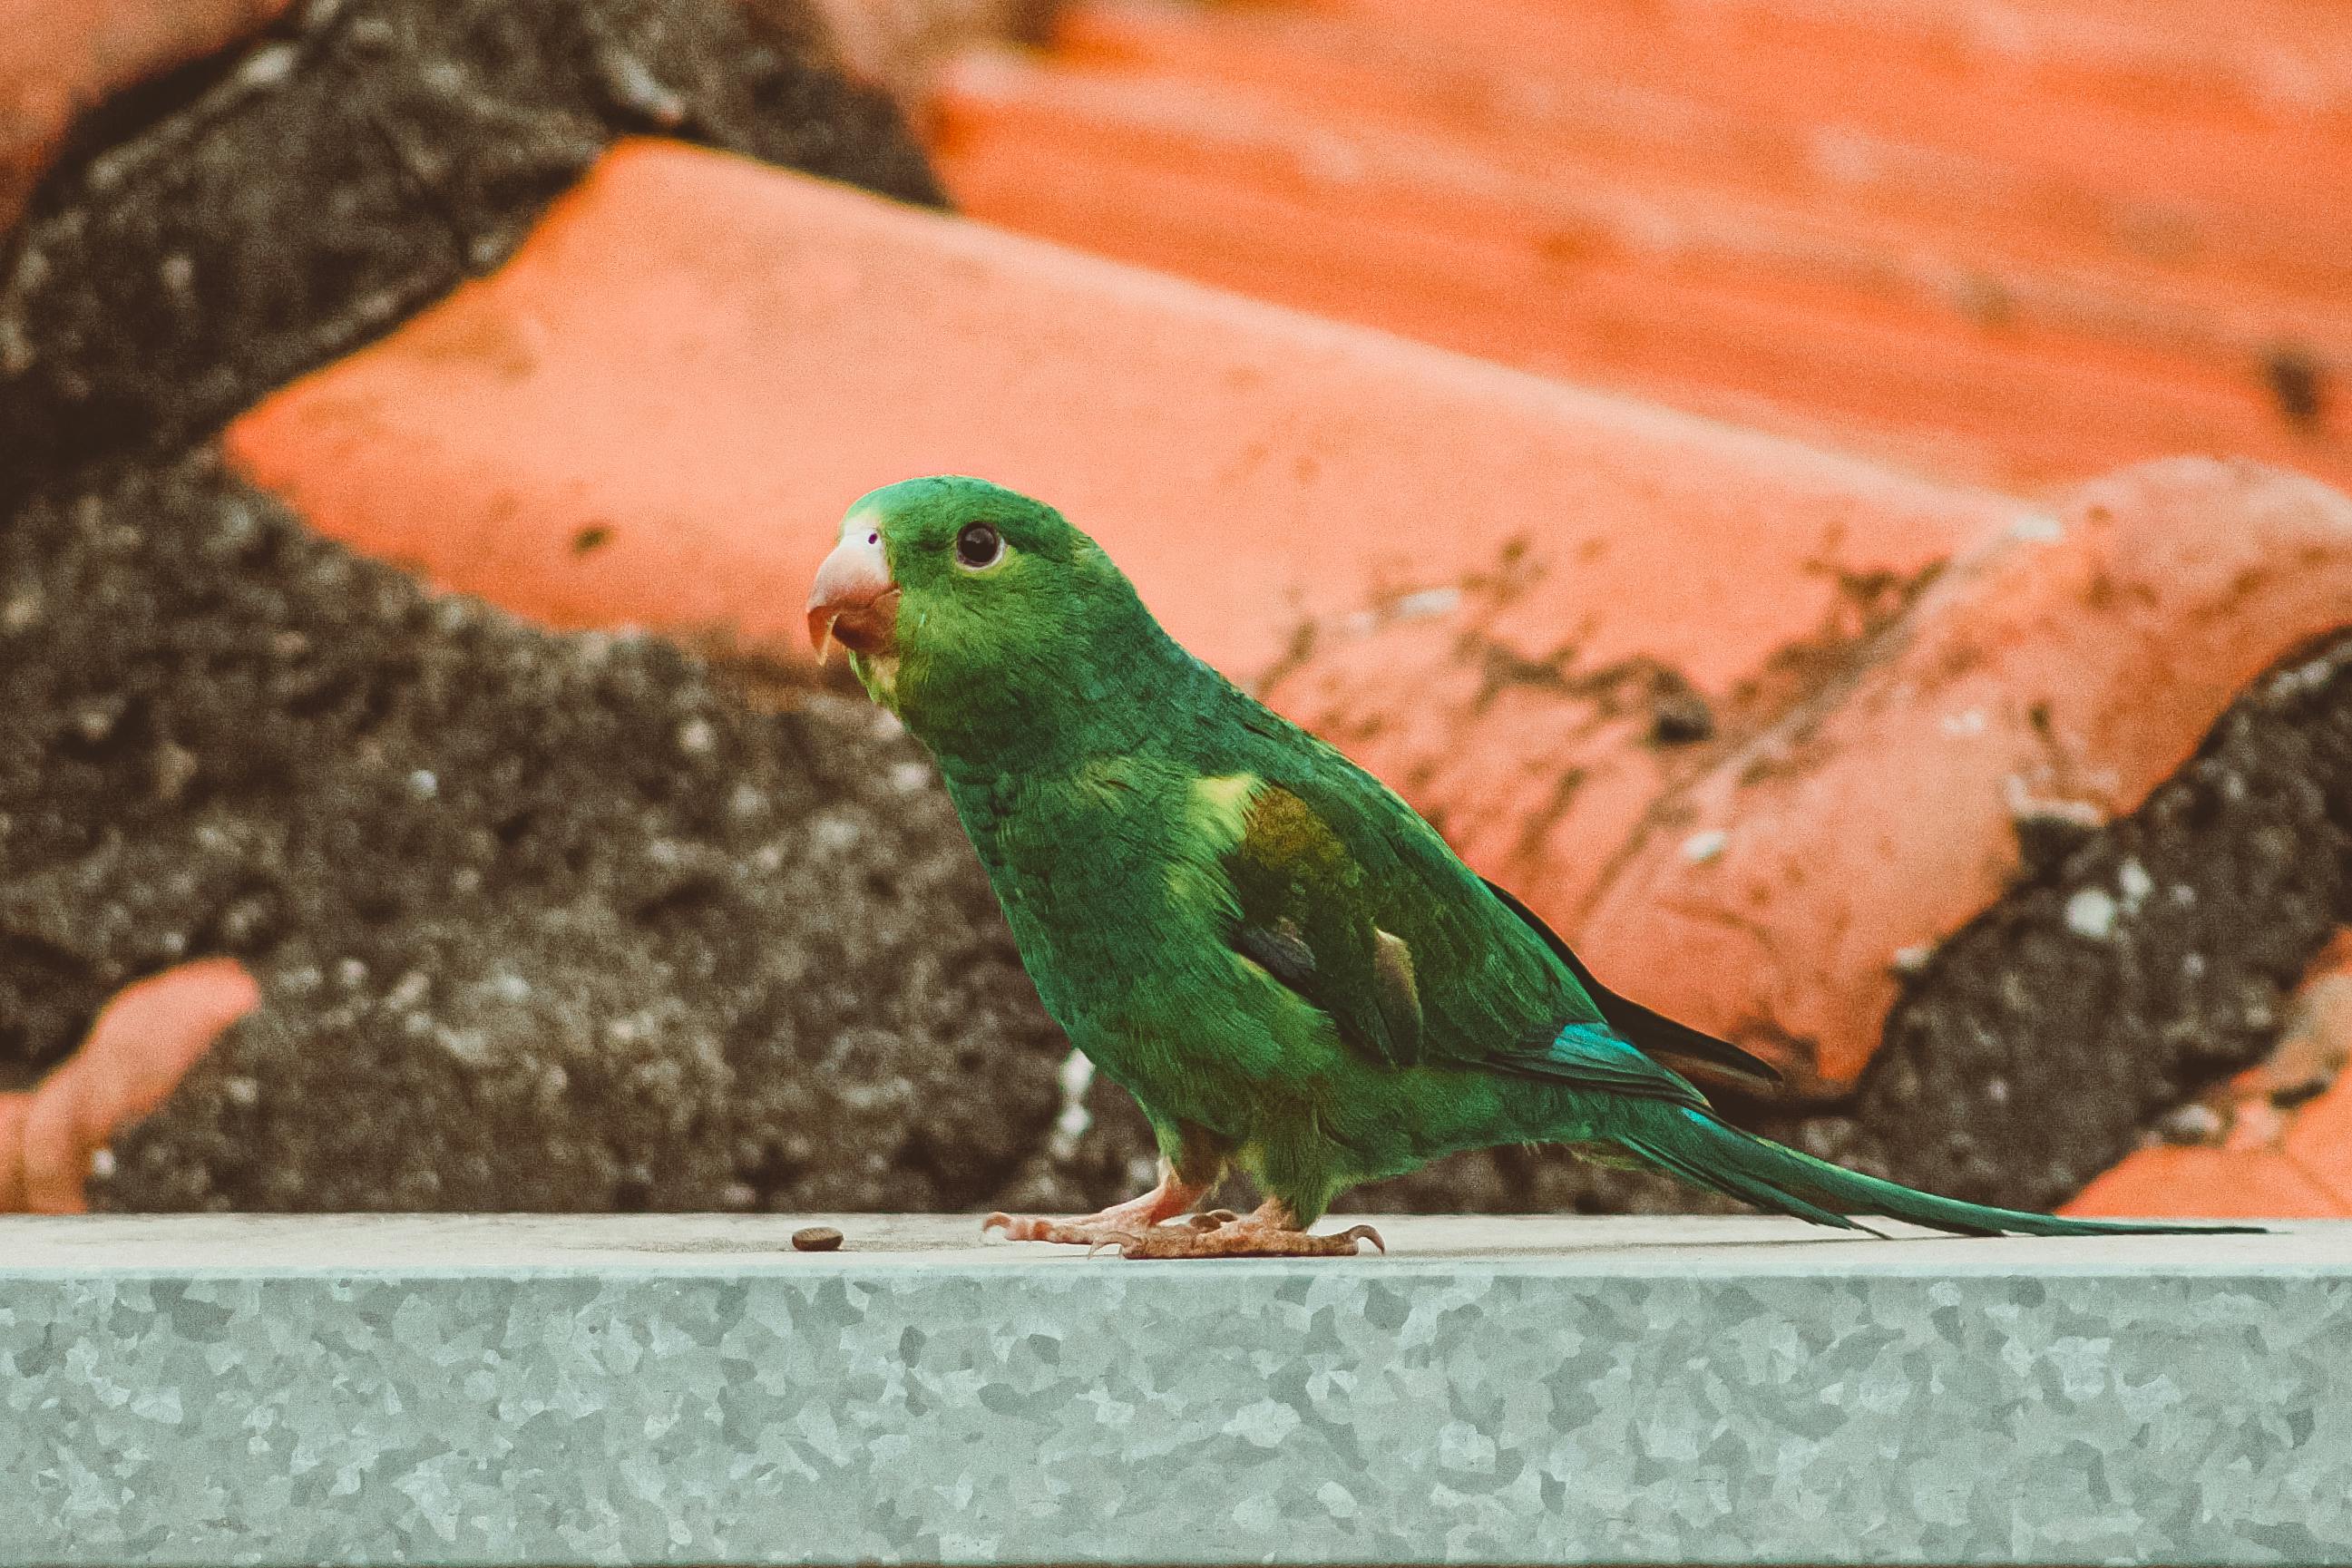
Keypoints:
pixel 2205 134
pixel 2319 1036
pixel 1557 110
pixel 2319 1142
pixel 140 1045
pixel 652 414
pixel 2196 1183
pixel 13 1108
pixel 2077 665
pixel 1965 303
pixel 1714 329
pixel 2268 56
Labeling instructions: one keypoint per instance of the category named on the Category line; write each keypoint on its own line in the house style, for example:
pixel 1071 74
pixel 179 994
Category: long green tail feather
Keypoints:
pixel 1693 1144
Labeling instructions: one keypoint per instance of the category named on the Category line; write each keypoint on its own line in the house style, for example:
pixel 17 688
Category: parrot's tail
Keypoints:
pixel 1691 1144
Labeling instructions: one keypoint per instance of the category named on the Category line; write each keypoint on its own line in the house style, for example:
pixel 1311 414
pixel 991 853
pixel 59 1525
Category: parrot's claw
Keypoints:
pixel 1093 1233
pixel 1246 1238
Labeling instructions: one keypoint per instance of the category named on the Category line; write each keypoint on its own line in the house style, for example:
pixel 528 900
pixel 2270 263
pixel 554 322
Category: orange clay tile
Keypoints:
pixel 1876 82
pixel 2077 661
pixel 899 42
pixel 2026 232
pixel 63 56
pixel 1760 306
pixel 2319 1137
pixel 2264 58
pixel 141 1045
pixel 2319 1142
pixel 12 1152
pixel 1441 285
pixel 2195 1183
pixel 655 413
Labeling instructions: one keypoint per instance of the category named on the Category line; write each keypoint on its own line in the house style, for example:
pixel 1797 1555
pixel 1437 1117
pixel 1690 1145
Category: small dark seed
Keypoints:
pixel 816 1239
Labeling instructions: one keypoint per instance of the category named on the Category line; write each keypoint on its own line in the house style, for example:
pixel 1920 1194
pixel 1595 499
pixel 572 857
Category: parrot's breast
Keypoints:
pixel 1109 883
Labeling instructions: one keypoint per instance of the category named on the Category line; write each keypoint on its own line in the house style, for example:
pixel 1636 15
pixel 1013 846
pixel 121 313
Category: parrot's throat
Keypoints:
pixel 1047 715
pixel 878 674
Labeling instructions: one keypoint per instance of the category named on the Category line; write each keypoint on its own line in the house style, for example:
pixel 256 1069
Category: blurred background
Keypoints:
pixel 2014 244
pixel 1837 502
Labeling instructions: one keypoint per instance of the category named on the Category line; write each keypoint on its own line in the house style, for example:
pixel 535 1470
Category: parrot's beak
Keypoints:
pixel 854 601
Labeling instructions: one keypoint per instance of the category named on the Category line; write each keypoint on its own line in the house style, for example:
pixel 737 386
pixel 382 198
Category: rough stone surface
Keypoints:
pixel 693 1391
pixel 541 922
pixel 252 216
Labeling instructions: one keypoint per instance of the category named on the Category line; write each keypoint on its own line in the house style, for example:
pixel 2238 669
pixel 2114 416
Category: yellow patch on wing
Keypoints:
pixel 1219 814
pixel 1221 806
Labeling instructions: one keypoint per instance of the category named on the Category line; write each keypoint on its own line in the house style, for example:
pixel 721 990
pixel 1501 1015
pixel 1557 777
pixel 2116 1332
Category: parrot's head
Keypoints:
pixel 980 617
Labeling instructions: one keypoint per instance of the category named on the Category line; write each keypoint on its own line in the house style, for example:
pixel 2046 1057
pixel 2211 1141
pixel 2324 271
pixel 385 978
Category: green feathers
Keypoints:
pixel 1282 961
pixel 1300 912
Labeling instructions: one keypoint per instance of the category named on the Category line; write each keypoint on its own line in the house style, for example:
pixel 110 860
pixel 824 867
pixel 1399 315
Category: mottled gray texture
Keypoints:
pixel 541 922
pixel 689 1390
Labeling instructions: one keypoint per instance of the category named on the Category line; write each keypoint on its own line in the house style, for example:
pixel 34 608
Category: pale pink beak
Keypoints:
pixel 852 602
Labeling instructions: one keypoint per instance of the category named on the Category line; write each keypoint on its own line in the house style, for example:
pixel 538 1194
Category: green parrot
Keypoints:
pixel 1277 958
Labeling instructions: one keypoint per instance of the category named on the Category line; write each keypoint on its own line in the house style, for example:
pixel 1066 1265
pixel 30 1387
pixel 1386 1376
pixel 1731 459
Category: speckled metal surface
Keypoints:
pixel 677 1389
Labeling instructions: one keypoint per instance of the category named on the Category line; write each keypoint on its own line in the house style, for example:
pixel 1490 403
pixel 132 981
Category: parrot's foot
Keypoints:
pixel 1114 1226
pixel 1250 1237
pixel 1147 1227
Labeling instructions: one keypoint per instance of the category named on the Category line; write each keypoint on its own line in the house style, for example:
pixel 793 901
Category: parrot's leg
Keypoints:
pixel 1119 1223
pixel 1273 1231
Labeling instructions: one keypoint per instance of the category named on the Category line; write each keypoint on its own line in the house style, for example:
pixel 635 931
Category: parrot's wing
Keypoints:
pixel 1306 918
pixel 1653 1031
pixel 1310 917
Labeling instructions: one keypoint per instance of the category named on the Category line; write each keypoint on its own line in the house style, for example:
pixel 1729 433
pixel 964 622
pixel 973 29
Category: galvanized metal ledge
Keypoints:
pixel 542 1390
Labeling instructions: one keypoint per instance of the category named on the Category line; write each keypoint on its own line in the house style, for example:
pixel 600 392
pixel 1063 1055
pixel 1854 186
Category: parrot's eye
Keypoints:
pixel 979 547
